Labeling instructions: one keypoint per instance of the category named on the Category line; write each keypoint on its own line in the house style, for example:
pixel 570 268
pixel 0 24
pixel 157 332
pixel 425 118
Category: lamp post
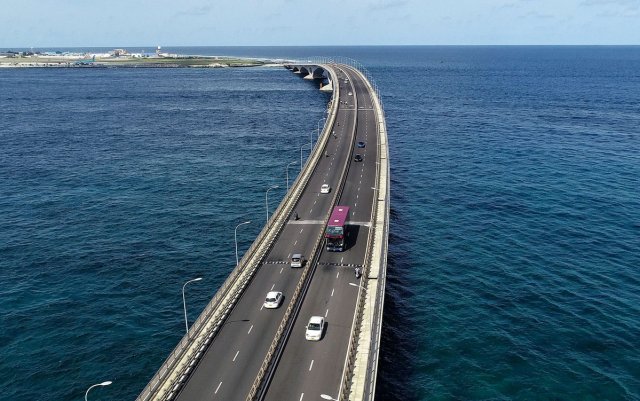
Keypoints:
pixel 184 302
pixel 301 147
pixel 96 385
pixel 293 162
pixel 235 237
pixel 318 127
pixel 266 200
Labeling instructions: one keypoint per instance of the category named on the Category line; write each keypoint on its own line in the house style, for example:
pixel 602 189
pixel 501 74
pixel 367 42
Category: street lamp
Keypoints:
pixel 328 397
pixel 266 200
pixel 235 237
pixel 318 127
pixel 294 162
pixel 184 302
pixel 301 147
pixel 96 385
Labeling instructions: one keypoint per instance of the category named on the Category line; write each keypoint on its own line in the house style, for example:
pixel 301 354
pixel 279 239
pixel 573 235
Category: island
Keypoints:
pixel 124 58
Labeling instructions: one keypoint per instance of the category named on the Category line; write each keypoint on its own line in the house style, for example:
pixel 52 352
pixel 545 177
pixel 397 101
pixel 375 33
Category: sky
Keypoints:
pixel 116 23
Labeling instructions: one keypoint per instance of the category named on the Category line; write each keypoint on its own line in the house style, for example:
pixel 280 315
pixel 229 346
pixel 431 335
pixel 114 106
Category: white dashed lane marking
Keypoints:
pixel 234 358
pixel 311 366
pixel 218 388
pixel 250 328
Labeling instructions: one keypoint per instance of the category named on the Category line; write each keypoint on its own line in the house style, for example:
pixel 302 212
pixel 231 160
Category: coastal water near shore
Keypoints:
pixel 515 215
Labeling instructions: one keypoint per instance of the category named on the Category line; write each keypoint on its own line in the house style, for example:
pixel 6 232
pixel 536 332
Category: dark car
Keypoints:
pixel 357 158
pixel 361 144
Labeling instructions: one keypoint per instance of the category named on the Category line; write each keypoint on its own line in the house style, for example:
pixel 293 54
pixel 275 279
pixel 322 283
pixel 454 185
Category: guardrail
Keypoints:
pixel 275 350
pixel 355 64
pixel 175 370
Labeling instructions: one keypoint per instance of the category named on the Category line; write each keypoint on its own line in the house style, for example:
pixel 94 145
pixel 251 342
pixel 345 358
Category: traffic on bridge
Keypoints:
pixel 303 307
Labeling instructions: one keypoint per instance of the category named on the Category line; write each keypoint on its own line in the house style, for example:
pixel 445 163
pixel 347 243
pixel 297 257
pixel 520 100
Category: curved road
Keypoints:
pixel 306 369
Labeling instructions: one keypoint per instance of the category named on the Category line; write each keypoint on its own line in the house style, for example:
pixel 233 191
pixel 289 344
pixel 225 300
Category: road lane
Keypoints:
pixel 232 360
pixel 330 292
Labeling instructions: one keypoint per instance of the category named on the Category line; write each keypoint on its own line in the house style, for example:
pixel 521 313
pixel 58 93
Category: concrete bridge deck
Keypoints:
pixel 237 350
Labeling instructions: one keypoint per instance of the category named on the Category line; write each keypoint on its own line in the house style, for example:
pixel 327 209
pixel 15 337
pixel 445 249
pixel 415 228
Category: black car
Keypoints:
pixel 357 158
pixel 361 144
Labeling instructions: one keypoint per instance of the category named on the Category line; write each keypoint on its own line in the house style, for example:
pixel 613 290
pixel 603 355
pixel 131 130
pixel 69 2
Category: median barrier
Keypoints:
pixel 284 329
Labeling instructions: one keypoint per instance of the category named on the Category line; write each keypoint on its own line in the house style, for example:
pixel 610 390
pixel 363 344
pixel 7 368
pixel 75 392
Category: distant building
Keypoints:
pixel 118 52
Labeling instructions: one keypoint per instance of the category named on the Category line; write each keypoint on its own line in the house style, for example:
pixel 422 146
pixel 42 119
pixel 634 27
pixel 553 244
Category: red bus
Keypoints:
pixel 335 233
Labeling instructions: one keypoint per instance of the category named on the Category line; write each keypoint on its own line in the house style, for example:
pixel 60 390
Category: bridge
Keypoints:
pixel 239 350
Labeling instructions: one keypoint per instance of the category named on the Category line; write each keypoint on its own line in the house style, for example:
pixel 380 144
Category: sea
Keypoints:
pixel 514 247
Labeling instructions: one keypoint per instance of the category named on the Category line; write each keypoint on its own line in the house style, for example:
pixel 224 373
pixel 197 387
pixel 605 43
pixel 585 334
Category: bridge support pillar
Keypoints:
pixel 327 88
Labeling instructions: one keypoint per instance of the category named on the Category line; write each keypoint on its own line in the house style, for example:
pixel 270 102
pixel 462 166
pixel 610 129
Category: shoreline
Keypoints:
pixel 94 61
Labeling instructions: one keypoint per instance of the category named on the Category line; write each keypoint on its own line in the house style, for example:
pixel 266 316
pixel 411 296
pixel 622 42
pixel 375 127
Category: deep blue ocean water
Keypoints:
pixel 514 248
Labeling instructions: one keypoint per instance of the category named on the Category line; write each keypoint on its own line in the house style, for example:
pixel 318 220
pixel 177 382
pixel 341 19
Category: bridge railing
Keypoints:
pixel 175 370
pixel 351 63
pixel 377 234
pixel 352 387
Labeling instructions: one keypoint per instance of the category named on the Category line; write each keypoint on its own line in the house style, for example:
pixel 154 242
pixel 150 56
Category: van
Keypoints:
pixel 297 260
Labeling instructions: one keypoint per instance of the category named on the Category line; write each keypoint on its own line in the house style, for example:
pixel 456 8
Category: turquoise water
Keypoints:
pixel 515 225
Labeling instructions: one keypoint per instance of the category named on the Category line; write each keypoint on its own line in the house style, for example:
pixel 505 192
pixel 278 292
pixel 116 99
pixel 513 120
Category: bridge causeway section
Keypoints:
pixel 236 350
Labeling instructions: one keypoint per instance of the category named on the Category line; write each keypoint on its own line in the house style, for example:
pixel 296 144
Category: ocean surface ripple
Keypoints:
pixel 515 231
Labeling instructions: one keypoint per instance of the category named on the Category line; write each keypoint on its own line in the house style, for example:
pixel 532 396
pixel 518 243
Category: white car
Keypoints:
pixel 274 299
pixel 325 189
pixel 350 94
pixel 297 260
pixel 315 328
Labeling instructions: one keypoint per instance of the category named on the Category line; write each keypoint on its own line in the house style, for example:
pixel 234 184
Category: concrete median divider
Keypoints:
pixel 271 359
pixel 174 372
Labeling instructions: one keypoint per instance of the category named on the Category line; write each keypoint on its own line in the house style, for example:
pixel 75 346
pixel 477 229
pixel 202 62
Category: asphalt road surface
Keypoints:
pixel 306 369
